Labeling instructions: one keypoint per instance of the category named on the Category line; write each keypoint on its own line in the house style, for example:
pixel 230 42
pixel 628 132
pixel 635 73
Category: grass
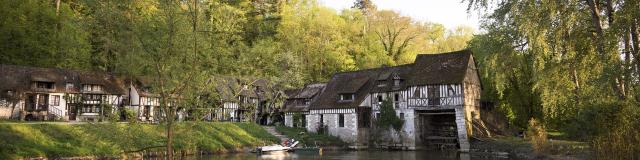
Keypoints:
pixel 309 139
pixel 105 140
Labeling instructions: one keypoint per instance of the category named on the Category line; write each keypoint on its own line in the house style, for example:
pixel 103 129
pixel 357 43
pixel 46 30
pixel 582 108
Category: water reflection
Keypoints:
pixel 351 155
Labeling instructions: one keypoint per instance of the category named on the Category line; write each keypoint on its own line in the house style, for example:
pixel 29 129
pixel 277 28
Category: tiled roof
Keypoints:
pixel 310 91
pixel 21 77
pixel 443 68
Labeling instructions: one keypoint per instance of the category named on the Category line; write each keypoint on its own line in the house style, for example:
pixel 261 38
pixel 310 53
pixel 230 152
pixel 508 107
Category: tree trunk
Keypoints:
pixel 13 107
pixel 597 25
pixel 57 7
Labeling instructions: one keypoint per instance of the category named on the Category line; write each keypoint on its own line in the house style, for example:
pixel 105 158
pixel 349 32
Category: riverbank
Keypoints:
pixel 520 148
pixel 311 139
pixel 114 140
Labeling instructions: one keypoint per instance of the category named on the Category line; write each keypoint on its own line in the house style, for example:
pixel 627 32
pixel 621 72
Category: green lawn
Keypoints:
pixel 309 139
pixel 60 140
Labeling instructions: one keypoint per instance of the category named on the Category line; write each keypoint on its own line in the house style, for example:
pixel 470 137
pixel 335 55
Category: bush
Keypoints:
pixel 388 118
pixel 623 140
pixel 537 134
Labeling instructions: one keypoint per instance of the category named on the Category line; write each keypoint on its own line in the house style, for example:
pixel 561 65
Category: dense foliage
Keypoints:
pixel 571 64
pixel 300 40
pixel 388 117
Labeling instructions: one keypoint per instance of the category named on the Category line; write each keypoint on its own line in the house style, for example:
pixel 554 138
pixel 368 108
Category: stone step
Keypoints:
pixel 272 131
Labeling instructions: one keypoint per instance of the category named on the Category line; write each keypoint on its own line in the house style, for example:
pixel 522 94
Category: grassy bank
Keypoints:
pixel 62 140
pixel 310 139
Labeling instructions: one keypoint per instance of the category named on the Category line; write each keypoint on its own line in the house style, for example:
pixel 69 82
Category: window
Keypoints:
pixel 307 101
pixel 44 85
pixel 340 120
pixel 346 97
pixel 42 99
pixel 402 116
pixel 417 93
pixel 378 115
pixel 56 100
pixel 91 87
pixel 381 83
pixel 433 95
pixel 396 82
pixel 396 97
pixel 69 86
pixel 380 99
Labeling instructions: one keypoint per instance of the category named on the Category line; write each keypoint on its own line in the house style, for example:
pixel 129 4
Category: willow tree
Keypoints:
pixel 581 53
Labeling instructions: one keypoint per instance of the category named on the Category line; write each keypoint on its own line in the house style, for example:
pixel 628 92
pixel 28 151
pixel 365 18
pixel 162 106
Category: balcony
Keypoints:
pixel 436 103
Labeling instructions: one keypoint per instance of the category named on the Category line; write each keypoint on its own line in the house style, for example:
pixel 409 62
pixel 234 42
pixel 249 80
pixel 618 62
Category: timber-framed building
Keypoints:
pixel 437 96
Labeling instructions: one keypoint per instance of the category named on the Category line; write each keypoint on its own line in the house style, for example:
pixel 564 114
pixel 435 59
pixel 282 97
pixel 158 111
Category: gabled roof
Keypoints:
pixel 402 72
pixel 310 91
pixel 228 88
pixel 357 83
pixel 443 68
pixel 21 77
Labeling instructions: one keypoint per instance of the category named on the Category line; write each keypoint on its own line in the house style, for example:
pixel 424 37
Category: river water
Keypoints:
pixel 353 155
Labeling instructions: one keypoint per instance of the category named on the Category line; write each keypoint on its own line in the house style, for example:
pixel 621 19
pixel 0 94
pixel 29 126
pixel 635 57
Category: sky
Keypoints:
pixel 450 13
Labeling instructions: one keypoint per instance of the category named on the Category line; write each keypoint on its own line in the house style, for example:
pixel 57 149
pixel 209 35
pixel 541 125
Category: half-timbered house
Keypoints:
pixel 34 93
pixel 244 100
pixel 437 96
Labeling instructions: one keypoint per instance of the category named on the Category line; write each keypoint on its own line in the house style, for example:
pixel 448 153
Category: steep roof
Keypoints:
pixel 228 87
pixel 387 75
pixel 443 68
pixel 357 83
pixel 310 91
pixel 20 77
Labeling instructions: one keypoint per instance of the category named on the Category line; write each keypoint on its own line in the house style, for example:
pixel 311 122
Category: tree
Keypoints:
pixel 395 32
pixel 169 39
pixel 388 117
pixel 577 57
pixel 35 34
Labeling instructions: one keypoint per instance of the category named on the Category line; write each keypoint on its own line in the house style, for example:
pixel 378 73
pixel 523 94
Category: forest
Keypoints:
pixel 569 64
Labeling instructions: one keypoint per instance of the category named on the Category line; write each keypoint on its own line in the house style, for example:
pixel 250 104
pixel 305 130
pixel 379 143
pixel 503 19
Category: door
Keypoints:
pixel 72 112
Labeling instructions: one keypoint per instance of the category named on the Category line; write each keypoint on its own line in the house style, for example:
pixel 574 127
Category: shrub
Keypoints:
pixel 623 140
pixel 537 134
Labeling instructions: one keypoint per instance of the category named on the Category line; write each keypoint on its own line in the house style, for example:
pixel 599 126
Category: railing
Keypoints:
pixel 436 102
pixel 55 111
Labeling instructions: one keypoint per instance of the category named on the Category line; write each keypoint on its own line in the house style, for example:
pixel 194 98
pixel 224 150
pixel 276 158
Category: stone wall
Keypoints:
pixel 461 124
pixel 348 133
pixel 313 120
pixel 288 120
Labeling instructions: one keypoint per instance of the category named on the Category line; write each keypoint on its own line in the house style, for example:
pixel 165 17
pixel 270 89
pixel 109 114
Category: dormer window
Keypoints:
pixel 44 85
pixel 69 86
pixel 381 83
pixel 307 101
pixel 347 97
pixel 91 87
pixel 396 82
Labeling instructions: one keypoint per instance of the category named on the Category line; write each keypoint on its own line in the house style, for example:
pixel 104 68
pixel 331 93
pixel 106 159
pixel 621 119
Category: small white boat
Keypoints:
pixel 277 147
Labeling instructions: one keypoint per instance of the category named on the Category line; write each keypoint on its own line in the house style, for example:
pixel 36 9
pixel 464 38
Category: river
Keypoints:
pixel 353 155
